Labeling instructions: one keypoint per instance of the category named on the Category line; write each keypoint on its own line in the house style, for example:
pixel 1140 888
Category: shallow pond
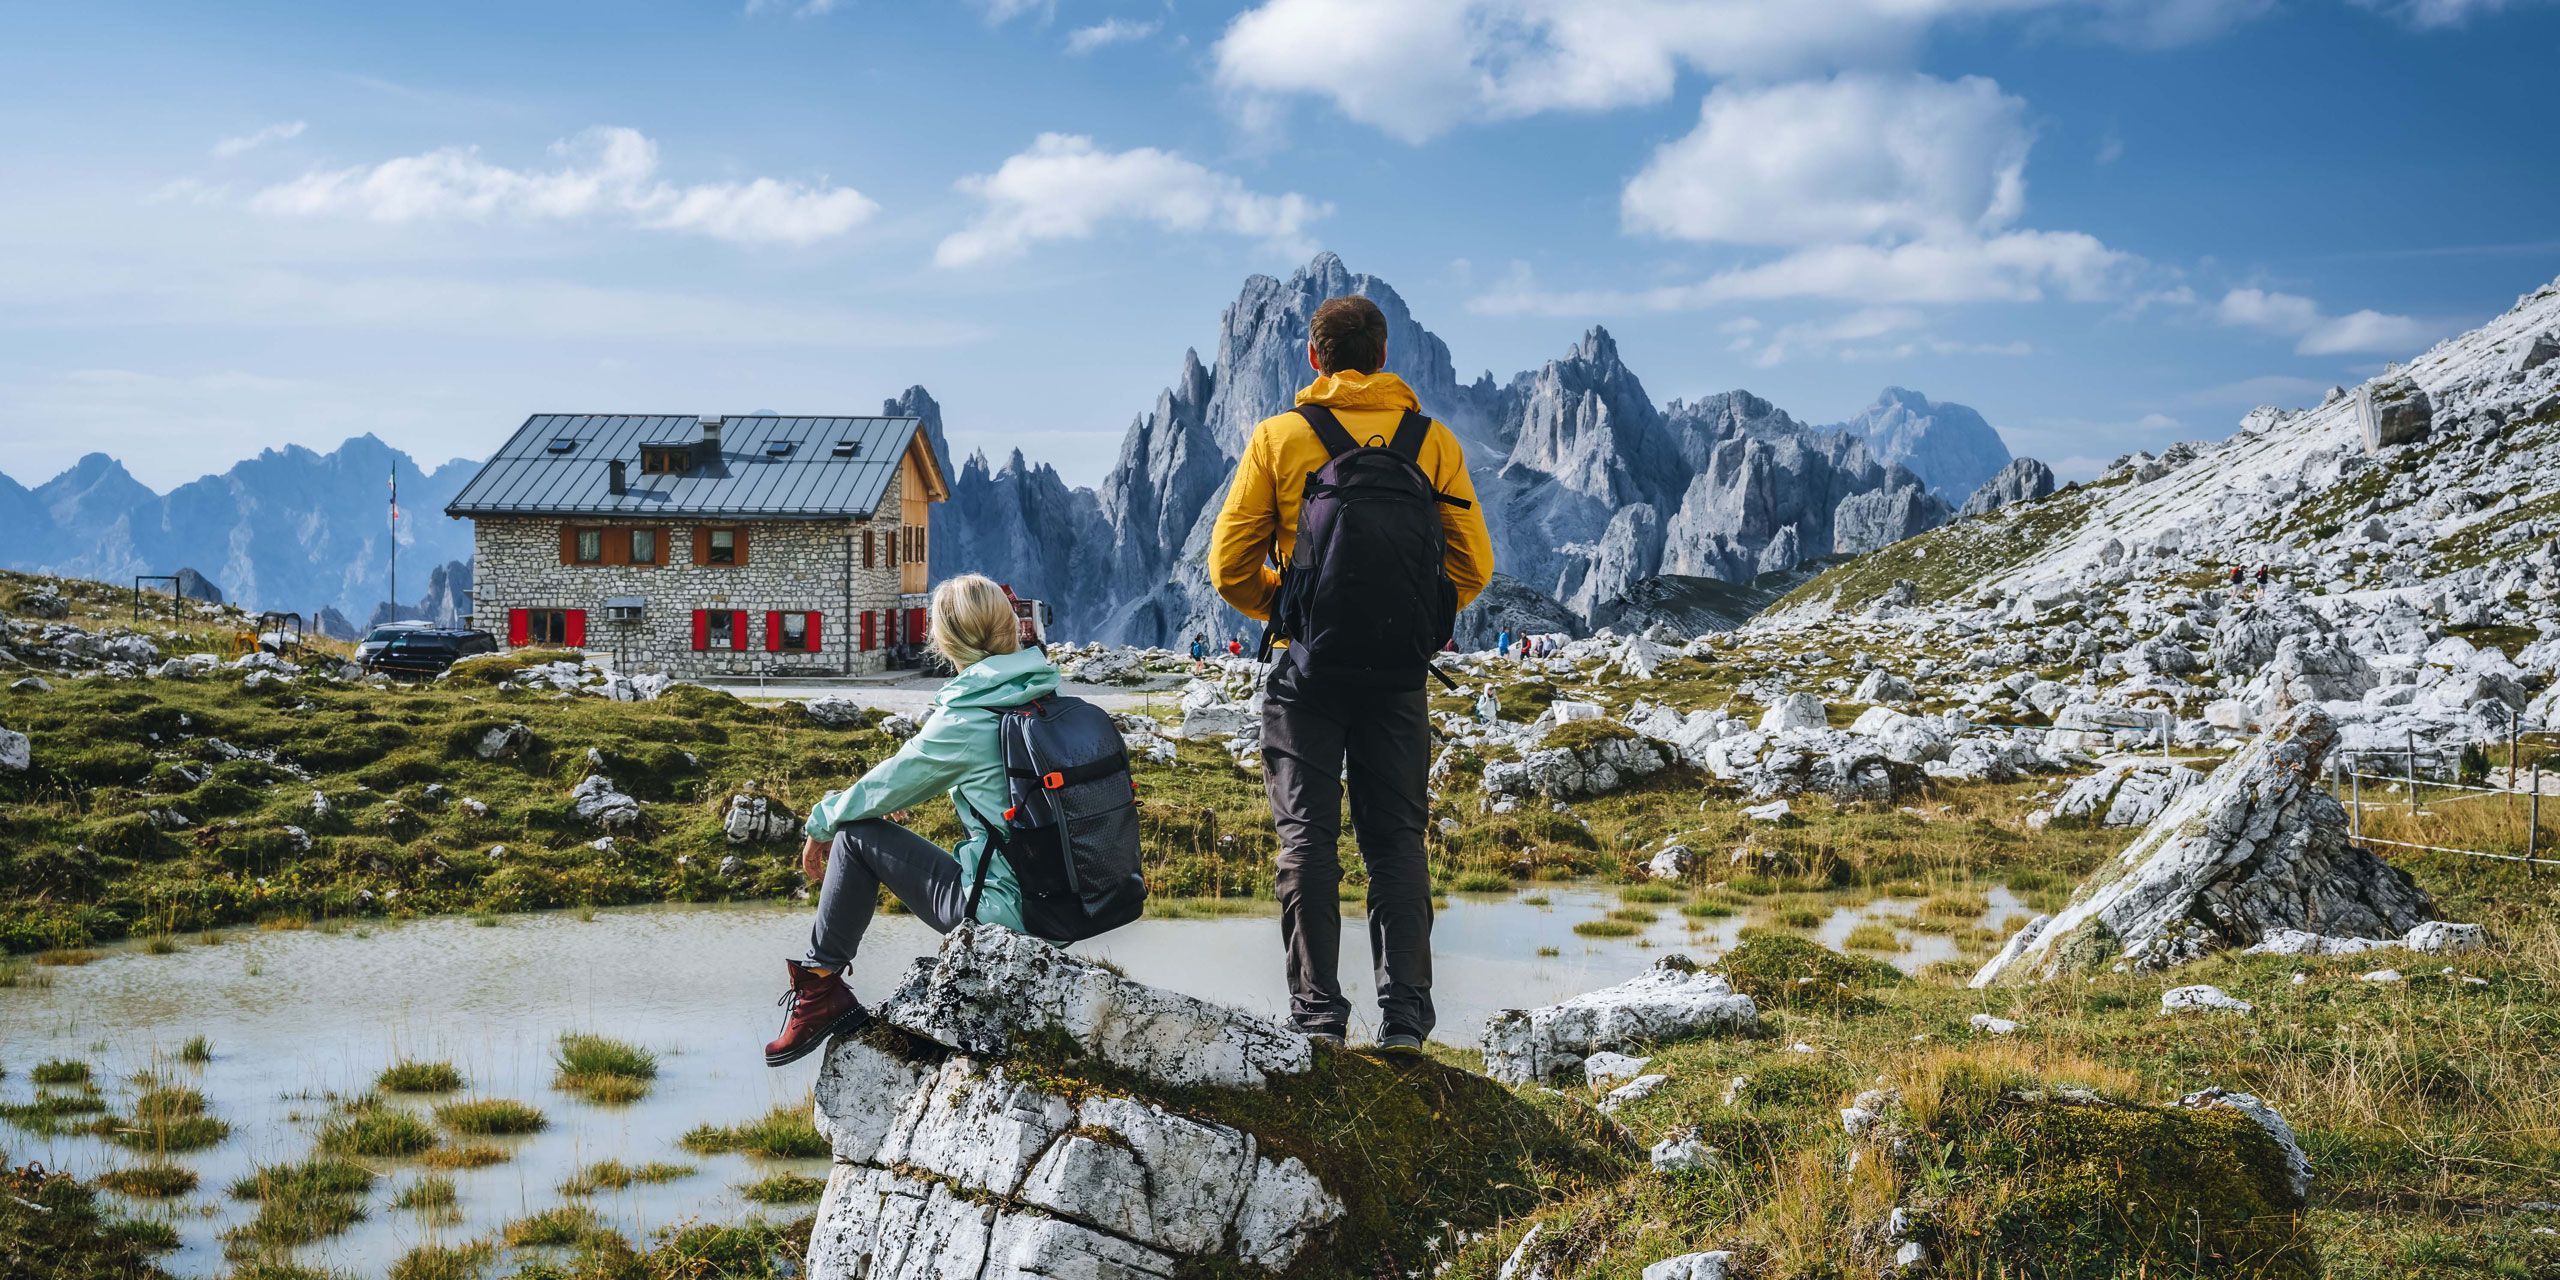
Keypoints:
pixel 299 1019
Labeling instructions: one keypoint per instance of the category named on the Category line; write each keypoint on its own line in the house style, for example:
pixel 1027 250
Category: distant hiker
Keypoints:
pixel 1502 643
pixel 1363 593
pixel 2236 574
pixel 1488 707
pixel 853 849
pixel 1199 654
pixel 1235 647
pixel 2262 581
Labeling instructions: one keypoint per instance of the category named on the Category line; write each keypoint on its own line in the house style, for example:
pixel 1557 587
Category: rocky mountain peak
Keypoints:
pixel 1947 445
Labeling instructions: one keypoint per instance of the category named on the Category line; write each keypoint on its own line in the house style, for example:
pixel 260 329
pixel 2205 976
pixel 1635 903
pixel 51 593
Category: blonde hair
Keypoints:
pixel 972 621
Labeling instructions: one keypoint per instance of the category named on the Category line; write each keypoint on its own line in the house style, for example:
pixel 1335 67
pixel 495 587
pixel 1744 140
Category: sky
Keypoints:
pixel 2107 225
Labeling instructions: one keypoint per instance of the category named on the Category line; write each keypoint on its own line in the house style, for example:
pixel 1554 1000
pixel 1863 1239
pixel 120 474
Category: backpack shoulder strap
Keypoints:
pixel 1328 429
pixel 1411 431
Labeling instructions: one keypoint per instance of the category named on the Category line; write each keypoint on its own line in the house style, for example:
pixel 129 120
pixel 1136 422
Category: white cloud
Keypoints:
pixel 2432 14
pixel 1065 188
pixel 1855 157
pixel 1884 189
pixel 1085 40
pixel 286 132
pixel 2289 315
pixel 2017 266
pixel 1000 12
pixel 603 172
pixel 1866 335
pixel 1421 67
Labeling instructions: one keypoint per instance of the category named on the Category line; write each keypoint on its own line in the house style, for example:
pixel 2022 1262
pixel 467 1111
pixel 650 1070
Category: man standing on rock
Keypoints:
pixel 1351 528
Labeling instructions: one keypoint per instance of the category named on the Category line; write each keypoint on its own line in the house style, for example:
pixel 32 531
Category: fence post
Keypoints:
pixel 2511 748
pixel 2413 773
pixel 2355 788
pixel 2533 820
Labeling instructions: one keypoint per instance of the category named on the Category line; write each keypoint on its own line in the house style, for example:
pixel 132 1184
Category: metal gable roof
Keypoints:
pixel 809 482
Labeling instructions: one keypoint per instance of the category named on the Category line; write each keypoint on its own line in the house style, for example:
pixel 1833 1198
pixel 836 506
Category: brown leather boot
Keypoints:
pixel 817 1006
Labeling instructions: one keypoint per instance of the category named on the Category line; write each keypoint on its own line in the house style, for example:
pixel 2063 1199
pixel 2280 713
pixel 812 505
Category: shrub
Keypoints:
pixel 406 1076
pixel 490 1115
pixel 785 1133
pixel 368 1128
pixel 602 1069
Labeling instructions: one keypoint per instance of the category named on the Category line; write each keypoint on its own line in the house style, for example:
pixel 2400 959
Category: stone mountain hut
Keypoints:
pixel 707 546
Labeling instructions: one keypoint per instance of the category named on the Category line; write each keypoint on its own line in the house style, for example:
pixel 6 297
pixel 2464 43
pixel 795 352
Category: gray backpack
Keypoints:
pixel 1070 829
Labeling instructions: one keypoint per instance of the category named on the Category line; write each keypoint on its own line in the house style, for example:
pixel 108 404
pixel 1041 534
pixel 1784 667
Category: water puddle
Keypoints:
pixel 298 1019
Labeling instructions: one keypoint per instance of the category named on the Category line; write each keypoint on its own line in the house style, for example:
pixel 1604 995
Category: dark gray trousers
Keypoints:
pixel 1308 735
pixel 867 855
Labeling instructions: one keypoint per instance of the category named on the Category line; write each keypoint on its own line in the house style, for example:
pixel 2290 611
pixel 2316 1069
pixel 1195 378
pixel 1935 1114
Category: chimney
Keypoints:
pixel 613 483
pixel 706 455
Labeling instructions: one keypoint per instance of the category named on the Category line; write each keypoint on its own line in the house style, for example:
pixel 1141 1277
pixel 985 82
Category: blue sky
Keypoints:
pixel 2106 224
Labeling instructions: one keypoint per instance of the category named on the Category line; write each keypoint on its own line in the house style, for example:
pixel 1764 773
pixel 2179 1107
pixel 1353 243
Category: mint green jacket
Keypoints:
pixel 956 751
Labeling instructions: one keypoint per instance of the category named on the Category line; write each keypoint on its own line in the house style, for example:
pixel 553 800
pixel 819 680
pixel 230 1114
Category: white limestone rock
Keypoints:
pixel 1033 1246
pixel 754 819
pixel 977 1125
pixel 862 1092
pixel 1605 1070
pixel 598 802
pixel 989 986
pixel 2259 846
pixel 17 754
pixel 1283 1210
pixel 1674 1000
pixel 2201 997
pixel 1672 863
pixel 2300 942
pixel 1710 1265
pixel 1636 1090
pixel 2297 1165
pixel 1683 1151
pixel 1991 1026
pixel 505 742
pixel 1213 722
pixel 2445 938
pixel 1160 1179
pixel 1794 711
pixel 898 724
pixel 836 711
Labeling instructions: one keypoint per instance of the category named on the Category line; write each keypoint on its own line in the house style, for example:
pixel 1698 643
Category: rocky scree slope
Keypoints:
pixel 2407 526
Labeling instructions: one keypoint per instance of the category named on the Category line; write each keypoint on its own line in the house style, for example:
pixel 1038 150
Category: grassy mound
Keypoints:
pixel 1786 971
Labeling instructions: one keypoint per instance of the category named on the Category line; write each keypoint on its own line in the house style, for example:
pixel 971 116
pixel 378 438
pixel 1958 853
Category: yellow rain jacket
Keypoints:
pixel 1260 520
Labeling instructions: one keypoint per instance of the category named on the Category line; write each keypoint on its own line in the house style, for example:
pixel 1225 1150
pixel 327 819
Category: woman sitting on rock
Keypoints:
pixel 956 751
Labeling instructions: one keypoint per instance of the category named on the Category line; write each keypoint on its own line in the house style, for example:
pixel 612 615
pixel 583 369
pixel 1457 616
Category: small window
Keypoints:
pixel 644 546
pixel 563 444
pixel 547 626
pixel 664 459
pixel 848 448
pixel 723 547
pixel 795 633
pixel 591 546
pixel 778 448
pixel 720 629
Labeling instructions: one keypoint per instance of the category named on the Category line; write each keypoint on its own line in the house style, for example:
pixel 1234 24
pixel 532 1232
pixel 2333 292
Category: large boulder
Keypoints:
pixel 2126 795
pixel 2260 846
pixel 1673 1000
pixel 1022 1112
pixel 1794 711
pixel 836 711
pixel 2394 412
pixel 2023 480
pixel 754 819
pixel 599 802
pixel 1586 758
pixel 16 755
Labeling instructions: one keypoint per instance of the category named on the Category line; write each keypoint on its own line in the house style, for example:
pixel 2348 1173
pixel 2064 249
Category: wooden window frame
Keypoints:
pixel 713 621
pixel 665 459
pixel 657 546
pixel 548 626
pixel 714 553
pixel 578 544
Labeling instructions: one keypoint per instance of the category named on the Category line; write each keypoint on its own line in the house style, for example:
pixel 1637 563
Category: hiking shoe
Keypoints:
pixel 817 1006
pixel 1399 1042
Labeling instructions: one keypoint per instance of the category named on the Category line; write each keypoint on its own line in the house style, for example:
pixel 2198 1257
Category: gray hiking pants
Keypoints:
pixel 1308 735
pixel 867 855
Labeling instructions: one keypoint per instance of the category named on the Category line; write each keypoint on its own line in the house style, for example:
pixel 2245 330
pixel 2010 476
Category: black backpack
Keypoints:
pixel 1365 598
pixel 1070 828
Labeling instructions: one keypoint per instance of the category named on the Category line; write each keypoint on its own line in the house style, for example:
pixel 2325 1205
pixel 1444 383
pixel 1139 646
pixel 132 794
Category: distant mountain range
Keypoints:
pixel 1605 508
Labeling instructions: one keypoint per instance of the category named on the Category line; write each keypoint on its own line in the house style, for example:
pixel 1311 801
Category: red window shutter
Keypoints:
pixel 738 629
pixel 869 635
pixel 577 628
pixel 773 632
pixel 518 627
pixel 701 630
pixel 813 633
pixel 915 624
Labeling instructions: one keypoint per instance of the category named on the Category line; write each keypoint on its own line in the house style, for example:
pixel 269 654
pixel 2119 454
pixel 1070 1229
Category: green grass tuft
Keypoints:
pixel 784 1188
pixel 408 1076
pixel 613 1175
pixel 368 1127
pixel 60 1071
pixel 603 1070
pixel 785 1133
pixel 490 1116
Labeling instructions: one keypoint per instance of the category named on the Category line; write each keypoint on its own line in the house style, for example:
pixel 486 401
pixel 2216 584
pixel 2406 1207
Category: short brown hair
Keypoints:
pixel 1349 333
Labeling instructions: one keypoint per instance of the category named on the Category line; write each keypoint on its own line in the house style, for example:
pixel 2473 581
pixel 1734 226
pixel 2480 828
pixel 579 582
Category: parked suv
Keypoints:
pixel 381 635
pixel 429 652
